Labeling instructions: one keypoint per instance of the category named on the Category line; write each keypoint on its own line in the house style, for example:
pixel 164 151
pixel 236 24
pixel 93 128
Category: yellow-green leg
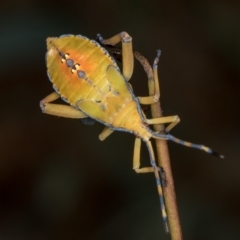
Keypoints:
pixel 105 133
pixel 173 120
pixel 59 109
pixel 136 158
pixel 153 99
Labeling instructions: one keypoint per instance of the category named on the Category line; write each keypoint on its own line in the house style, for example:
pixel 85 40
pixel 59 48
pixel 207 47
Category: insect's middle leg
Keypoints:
pixel 59 109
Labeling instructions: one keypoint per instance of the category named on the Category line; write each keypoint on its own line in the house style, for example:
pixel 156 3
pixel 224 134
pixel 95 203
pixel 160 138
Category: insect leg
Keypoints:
pixel 136 161
pixel 50 98
pixel 147 100
pixel 105 133
pixel 127 52
pixel 159 186
pixel 173 120
pixel 152 77
pixel 59 109
pixel 136 158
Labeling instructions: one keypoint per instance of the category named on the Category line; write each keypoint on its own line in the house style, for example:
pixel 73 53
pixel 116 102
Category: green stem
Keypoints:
pixel 163 158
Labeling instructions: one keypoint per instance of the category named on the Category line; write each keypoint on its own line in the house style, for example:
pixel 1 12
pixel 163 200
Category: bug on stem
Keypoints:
pixel 85 76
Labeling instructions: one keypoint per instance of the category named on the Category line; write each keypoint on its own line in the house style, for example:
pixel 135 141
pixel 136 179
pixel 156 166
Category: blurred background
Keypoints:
pixel 58 181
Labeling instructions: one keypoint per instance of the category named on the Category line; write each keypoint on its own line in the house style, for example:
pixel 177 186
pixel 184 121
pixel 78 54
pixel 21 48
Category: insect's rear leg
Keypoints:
pixel 136 158
pixel 136 162
pixel 59 109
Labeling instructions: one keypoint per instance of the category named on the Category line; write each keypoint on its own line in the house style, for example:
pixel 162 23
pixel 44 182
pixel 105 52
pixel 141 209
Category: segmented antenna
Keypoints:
pixel 187 144
pixel 193 145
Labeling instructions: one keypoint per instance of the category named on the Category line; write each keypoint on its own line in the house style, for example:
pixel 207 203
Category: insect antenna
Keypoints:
pixel 187 144
pixel 160 184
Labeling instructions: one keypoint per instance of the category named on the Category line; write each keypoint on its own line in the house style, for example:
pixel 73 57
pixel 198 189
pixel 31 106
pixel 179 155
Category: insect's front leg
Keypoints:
pixel 59 109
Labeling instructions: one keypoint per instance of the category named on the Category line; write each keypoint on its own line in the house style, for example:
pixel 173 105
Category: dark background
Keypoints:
pixel 58 181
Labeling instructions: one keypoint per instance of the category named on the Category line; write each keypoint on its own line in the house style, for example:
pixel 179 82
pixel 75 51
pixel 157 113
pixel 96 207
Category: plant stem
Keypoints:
pixel 163 157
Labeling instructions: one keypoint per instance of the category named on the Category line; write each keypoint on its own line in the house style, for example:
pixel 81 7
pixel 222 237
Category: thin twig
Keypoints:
pixel 163 157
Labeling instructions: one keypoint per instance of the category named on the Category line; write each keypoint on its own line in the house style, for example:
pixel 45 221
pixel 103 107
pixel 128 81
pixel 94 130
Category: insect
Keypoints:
pixel 85 76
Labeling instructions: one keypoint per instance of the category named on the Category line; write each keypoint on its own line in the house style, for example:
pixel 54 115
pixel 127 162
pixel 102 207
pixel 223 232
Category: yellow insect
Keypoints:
pixel 85 76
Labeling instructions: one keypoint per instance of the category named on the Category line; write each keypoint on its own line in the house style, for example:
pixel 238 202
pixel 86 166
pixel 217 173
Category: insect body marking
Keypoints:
pixel 69 62
pixel 75 69
pixel 81 74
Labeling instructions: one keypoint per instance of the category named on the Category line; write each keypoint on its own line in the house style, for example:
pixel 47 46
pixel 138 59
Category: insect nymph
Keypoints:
pixel 85 76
